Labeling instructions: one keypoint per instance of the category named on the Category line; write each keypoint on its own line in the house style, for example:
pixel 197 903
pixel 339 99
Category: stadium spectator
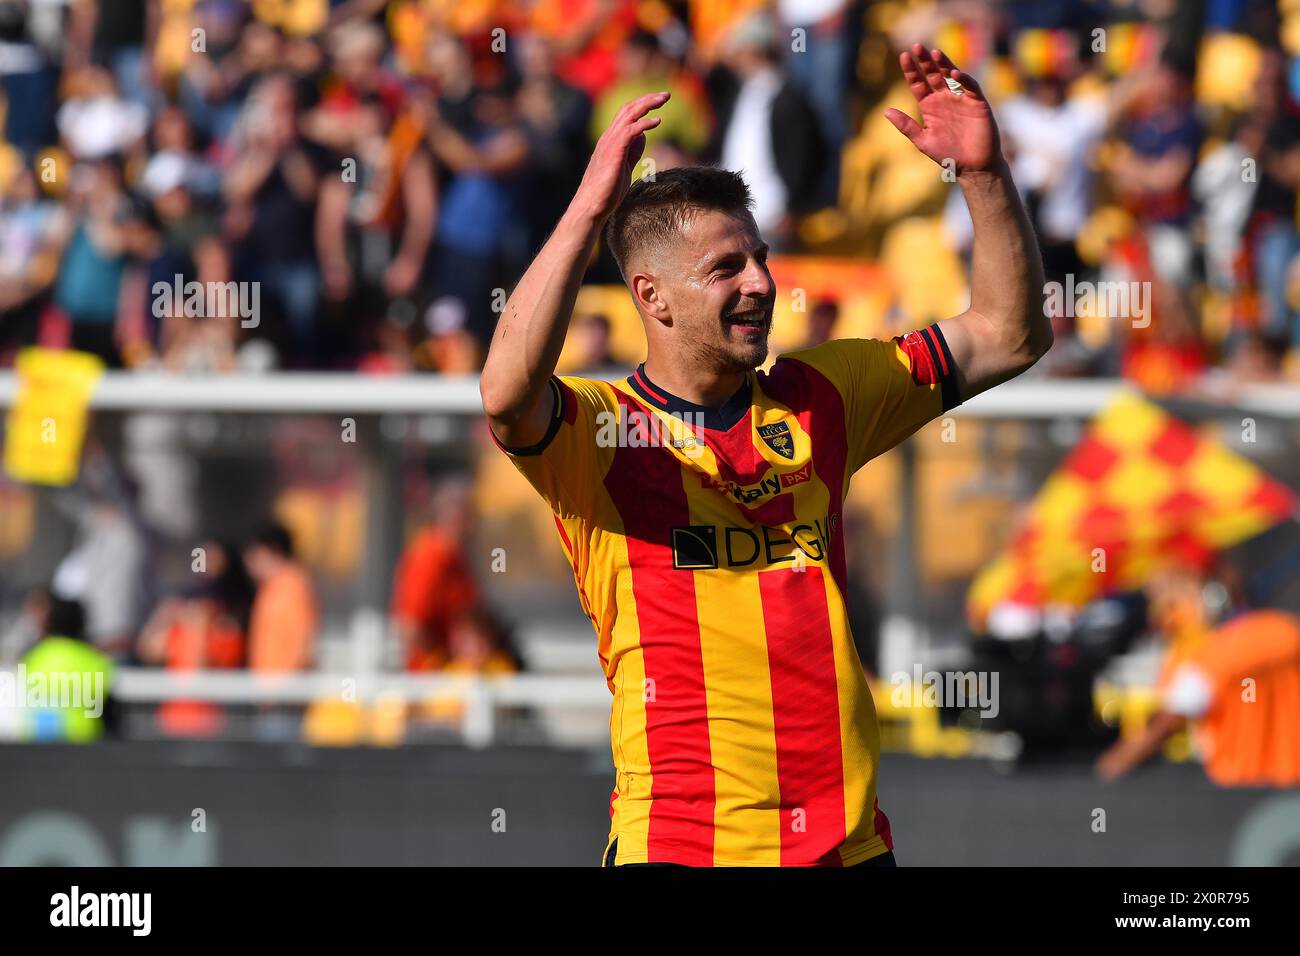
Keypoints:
pixel 823 69
pixel 823 318
pixel 173 141
pixel 556 116
pixel 200 343
pixel 591 332
pixel 373 226
pixel 95 121
pixel 213 86
pixel 587 36
pixel 27 76
pixel 862 590
pixel 180 187
pixel 1254 358
pixel 433 586
pixel 357 76
pixel 449 346
pixel 767 128
pixel 1052 137
pixel 479 644
pixel 107 569
pixel 1225 198
pixel 117 36
pixel 206 625
pixel 480 227
pixel 28 258
pixel 284 615
pixel 391 352
pixel 271 187
pixel 1273 223
pixel 644 65
pixel 1238 686
pixel 1159 140
pixel 100 233
pixel 64 660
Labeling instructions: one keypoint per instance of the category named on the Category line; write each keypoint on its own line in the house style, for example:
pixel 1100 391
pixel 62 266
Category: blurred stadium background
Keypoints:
pixel 336 623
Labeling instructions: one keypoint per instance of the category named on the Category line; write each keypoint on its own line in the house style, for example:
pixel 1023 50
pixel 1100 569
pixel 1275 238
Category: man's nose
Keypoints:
pixel 757 282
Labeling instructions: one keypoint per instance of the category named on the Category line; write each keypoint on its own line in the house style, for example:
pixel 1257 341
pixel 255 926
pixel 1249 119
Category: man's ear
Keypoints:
pixel 645 290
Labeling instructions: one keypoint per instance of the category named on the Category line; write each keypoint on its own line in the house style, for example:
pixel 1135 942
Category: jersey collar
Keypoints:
pixel 721 418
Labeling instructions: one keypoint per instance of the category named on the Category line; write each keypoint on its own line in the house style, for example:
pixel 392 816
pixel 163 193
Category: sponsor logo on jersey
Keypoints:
pixel 772 483
pixel 699 547
pixel 797 477
pixel 778 438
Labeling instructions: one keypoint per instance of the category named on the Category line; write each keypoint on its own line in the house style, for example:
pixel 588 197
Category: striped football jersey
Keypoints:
pixel 707 547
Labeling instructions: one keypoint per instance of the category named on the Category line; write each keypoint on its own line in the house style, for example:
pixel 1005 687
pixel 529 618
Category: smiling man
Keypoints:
pixel 711 560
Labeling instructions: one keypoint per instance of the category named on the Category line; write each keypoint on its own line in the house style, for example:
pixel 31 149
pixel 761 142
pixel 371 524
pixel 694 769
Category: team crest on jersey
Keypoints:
pixel 778 438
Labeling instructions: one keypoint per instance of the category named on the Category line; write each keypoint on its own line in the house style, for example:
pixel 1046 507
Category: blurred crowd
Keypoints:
pixel 250 605
pixel 253 604
pixel 379 171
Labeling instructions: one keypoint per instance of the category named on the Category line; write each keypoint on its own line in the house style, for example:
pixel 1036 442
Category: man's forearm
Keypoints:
pixel 1126 755
pixel 1006 267
pixel 1005 330
pixel 530 334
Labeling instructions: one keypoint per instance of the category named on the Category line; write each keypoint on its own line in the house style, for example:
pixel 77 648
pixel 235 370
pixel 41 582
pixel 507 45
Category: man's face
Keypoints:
pixel 714 281
pixel 257 560
pixel 1176 605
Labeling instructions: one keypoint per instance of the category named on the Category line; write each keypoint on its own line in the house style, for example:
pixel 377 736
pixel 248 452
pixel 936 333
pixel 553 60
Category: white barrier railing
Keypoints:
pixel 481 696
pixel 330 392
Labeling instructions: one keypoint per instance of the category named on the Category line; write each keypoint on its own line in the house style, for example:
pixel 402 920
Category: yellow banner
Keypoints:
pixel 46 425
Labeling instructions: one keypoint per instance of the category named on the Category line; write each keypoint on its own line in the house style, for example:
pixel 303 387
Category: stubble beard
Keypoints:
pixel 732 356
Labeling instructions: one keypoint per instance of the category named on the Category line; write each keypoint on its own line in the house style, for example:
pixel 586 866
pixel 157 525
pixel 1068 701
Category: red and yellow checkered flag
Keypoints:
pixel 1139 487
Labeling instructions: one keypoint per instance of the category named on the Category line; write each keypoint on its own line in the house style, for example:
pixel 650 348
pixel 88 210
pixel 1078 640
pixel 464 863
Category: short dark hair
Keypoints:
pixel 65 618
pixel 275 537
pixel 656 210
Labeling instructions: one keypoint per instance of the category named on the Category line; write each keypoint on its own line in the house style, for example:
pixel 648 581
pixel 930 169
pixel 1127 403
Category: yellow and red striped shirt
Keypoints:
pixel 707 546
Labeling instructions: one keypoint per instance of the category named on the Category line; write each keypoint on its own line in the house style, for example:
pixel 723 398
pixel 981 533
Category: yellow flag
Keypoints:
pixel 46 424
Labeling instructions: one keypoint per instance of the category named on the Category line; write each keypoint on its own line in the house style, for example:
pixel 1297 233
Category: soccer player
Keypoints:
pixel 699 501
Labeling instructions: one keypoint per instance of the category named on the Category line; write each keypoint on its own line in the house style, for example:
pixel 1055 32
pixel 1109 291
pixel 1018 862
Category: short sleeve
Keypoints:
pixel 889 388
pixel 569 463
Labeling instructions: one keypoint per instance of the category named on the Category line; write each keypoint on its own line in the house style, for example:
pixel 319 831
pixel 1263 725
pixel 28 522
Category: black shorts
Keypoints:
pixel 883 859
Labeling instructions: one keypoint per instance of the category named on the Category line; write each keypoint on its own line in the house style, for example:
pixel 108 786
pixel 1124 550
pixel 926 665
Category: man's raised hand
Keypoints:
pixel 619 149
pixel 954 126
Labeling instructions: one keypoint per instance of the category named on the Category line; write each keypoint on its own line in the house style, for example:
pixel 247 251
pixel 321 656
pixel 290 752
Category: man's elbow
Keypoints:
pixel 496 401
pixel 504 406
pixel 1041 339
pixel 1036 342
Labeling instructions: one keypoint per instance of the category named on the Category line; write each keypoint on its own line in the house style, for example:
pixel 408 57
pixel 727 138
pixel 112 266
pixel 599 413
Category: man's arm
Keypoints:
pixel 530 333
pixel 1006 329
pixel 1126 755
